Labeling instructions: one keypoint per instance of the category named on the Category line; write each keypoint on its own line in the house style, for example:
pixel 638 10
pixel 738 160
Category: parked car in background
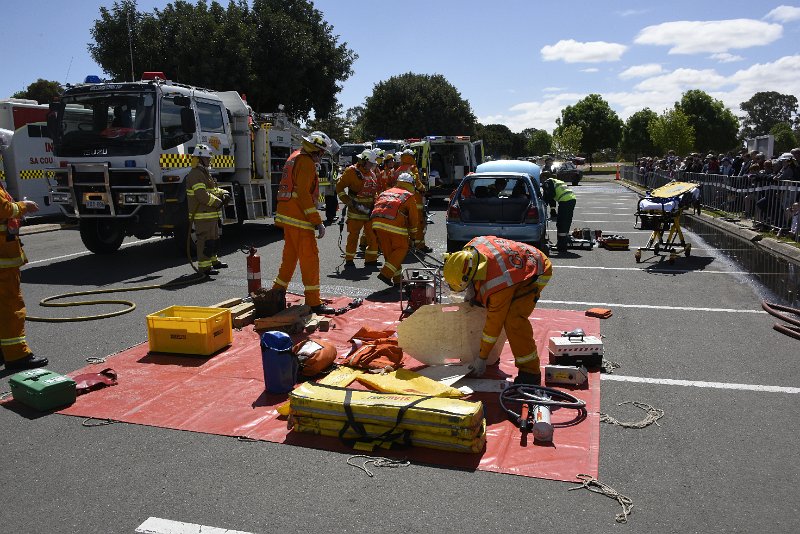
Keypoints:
pixel 566 171
pixel 503 198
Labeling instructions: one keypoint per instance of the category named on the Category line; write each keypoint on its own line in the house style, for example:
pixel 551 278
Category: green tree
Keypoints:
pixel 540 143
pixel 765 109
pixel 715 126
pixel 277 52
pixel 414 105
pixel 601 126
pixel 334 124
pixel 636 139
pixel 672 131
pixel 785 139
pixel 567 139
pixel 498 140
pixel 43 91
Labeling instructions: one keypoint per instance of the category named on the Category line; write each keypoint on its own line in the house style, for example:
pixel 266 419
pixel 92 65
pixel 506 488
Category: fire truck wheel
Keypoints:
pixel 102 236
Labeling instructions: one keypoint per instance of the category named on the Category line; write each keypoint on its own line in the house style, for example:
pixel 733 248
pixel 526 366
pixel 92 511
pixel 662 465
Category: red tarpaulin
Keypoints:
pixel 225 395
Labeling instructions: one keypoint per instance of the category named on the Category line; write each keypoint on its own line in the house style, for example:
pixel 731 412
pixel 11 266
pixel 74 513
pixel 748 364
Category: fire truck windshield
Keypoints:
pixel 106 123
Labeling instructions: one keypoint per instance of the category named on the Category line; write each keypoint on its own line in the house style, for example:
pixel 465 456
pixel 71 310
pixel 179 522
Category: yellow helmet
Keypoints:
pixel 461 267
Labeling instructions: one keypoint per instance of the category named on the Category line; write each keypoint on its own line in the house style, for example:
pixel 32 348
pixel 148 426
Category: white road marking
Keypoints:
pixel 648 306
pixel 661 271
pixel 86 252
pixel 156 525
pixel 701 384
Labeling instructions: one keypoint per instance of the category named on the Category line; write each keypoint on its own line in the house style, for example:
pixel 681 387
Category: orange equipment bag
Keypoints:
pixel 375 350
pixel 315 356
pixel 602 313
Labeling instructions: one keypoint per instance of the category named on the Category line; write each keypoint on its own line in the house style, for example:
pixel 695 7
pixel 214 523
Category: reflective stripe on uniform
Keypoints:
pixel 527 358
pixel 281 283
pixel 205 216
pixel 309 211
pixel 8 263
pixel 14 210
pixel 291 221
pixel 12 341
pixel 391 267
pixel 311 288
pixel 378 225
pixel 486 338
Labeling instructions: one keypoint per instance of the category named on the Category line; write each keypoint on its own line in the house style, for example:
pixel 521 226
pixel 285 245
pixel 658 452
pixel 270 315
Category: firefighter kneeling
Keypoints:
pixel 505 277
pixel 395 220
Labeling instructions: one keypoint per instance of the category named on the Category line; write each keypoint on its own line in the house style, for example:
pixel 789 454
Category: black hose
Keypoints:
pixel 775 309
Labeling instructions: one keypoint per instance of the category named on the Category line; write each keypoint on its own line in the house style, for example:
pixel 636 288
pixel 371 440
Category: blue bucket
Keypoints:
pixel 280 364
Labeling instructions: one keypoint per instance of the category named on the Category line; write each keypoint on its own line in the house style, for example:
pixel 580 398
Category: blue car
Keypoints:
pixel 503 198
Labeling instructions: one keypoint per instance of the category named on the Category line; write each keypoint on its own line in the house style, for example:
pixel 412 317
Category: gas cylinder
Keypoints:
pixel 253 270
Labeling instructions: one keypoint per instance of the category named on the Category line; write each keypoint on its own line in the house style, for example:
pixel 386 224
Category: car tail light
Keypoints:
pixel 532 215
pixel 454 212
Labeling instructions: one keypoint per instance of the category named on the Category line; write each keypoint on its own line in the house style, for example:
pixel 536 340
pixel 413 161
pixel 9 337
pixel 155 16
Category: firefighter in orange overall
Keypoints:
pixel 361 187
pixel 205 201
pixel 395 219
pixel 408 164
pixel 505 277
pixel 14 350
pixel 387 180
pixel 298 216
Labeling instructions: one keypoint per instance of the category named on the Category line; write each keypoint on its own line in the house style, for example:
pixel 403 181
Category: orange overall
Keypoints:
pixel 516 275
pixel 298 216
pixel 361 186
pixel 406 165
pixel 13 345
pixel 395 219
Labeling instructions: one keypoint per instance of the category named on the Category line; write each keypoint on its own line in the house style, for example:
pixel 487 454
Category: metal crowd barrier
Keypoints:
pixel 771 205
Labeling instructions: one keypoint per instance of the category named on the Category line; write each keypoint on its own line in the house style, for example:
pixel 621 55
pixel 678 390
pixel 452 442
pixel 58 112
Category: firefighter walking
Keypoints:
pixel 555 192
pixel 205 201
pixel 14 350
pixel 408 164
pixel 395 219
pixel 356 189
pixel 505 277
pixel 298 216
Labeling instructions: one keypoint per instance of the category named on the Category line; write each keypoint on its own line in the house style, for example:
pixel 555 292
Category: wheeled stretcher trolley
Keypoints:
pixel 661 210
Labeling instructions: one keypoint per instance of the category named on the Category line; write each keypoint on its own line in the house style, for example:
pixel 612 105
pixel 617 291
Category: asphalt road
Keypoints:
pixel 724 458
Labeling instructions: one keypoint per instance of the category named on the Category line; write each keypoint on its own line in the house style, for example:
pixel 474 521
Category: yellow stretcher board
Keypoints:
pixel 435 415
pixel 672 189
pixel 328 427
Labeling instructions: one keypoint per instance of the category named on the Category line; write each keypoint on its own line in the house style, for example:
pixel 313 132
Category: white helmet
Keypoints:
pixel 202 151
pixel 368 156
pixel 408 151
pixel 406 178
pixel 319 141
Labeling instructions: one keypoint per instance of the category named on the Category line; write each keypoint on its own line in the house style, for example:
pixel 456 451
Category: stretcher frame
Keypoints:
pixel 665 221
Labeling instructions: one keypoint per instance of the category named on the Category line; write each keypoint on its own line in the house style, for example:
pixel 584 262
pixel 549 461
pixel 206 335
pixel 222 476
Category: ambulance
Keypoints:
pixel 444 160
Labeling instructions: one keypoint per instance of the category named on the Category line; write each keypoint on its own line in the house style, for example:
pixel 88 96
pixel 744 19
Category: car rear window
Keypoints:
pixel 495 188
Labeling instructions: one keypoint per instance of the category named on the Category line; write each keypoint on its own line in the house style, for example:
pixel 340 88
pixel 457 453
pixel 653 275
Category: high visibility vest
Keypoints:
pixel 369 189
pixel 562 192
pixel 387 206
pixel 509 263
pixel 286 187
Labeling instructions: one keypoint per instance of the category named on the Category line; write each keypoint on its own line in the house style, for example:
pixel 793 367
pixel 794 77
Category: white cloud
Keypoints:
pixel 552 89
pixel 590 69
pixel 724 57
pixel 784 14
pixel 683 80
pixel 641 71
pixel 631 12
pixel 716 36
pixel 572 51
pixel 540 114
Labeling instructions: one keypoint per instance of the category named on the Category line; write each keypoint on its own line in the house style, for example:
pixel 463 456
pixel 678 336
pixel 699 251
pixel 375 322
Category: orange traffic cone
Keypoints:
pixel 617 178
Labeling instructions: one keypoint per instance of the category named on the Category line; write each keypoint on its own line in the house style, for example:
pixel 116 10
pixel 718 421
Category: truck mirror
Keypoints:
pixel 182 101
pixel 52 120
pixel 188 124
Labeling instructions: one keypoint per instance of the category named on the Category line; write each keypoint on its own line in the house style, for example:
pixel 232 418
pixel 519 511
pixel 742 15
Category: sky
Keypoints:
pixel 517 62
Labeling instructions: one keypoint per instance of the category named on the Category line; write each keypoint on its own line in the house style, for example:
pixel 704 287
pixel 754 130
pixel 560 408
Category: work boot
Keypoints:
pixel 385 279
pixel 524 377
pixel 210 272
pixel 372 264
pixel 28 362
pixel 424 248
pixel 219 265
pixel 322 309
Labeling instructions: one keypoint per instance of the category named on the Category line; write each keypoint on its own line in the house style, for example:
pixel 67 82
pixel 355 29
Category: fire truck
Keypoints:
pixel 123 150
pixel 443 160
pixel 29 153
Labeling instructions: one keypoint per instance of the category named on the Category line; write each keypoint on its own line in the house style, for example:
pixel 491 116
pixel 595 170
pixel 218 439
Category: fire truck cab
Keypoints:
pixel 123 150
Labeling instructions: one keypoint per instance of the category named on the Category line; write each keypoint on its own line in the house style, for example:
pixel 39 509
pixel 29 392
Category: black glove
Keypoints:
pixel 226 198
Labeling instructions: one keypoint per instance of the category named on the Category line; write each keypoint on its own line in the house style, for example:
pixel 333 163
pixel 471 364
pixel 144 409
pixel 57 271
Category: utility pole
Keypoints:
pixel 130 45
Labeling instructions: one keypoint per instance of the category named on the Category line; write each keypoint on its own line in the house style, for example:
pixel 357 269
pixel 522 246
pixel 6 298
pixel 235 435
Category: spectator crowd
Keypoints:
pixel 763 189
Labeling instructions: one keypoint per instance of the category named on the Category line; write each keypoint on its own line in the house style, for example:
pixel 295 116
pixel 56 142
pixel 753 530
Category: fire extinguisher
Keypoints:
pixel 253 270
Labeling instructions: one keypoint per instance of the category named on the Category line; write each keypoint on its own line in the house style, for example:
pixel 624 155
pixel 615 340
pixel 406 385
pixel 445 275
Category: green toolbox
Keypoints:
pixel 42 390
